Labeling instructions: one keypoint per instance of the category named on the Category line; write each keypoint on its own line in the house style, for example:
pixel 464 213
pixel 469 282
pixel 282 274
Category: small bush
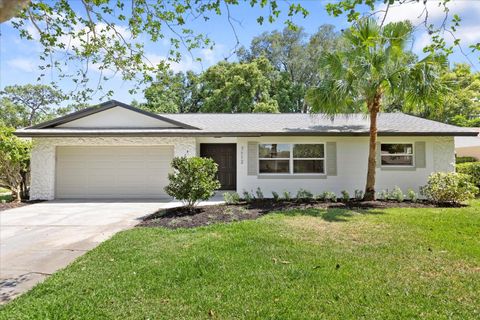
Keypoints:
pixel 259 193
pixel 383 195
pixel 412 195
pixel 247 196
pixel 231 197
pixel 193 180
pixel 327 196
pixel 287 195
pixel 449 187
pixel 459 160
pixel 472 169
pixel 345 196
pixel 358 194
pixel 396 194
pixel 304 195
pixel 275 196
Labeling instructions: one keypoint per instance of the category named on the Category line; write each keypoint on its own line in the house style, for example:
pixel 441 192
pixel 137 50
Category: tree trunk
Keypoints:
pixel 16 195
pixel 24 185
pixel 374 108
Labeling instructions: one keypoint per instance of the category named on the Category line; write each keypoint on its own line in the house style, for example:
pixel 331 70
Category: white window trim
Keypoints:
pixel 291 159
pixel 398 154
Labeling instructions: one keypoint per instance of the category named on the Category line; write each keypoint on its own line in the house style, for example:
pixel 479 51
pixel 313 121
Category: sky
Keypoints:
pixel 19 58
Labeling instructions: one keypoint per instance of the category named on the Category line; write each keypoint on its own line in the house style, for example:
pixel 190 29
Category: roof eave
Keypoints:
pixel 38 134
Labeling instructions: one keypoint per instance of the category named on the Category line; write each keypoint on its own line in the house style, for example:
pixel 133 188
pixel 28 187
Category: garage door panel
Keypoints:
pixel 112 172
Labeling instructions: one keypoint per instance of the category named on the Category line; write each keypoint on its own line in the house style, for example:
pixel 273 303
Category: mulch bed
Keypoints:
pixel 181 217
pixel 11 205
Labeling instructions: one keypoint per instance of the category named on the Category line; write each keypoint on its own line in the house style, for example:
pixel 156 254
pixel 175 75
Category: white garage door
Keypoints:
pixel 112 172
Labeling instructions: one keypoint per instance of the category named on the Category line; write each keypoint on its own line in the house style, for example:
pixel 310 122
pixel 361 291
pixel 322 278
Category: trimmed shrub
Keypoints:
pixel 412 195
pixel 472 169
pixel 259 193
pixel 358 194
pixel 304 195
pixel 275 196
pixel 345 196
pixel 383 195
pixel 396 194
pixel 287 195
pixel 449 187
pixel 231 197
pixel 247 196
pixel 459 160
pixel 328 196
pixel 193 180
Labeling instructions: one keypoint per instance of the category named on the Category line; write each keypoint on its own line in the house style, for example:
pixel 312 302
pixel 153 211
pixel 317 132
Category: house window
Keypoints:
pixel 308 158
pixel 396 154
pixel 274 158
pixel 292 158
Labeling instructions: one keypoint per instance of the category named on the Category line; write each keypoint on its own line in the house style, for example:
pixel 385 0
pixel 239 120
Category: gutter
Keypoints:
pixel 26 134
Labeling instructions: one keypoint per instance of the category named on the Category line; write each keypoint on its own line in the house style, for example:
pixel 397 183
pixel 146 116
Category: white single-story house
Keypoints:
pixel 468 146
pixel 116 151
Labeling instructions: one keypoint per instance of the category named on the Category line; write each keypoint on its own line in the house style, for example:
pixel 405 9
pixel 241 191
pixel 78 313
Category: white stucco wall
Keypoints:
pixel 117 117
pixel 43 156
pixel 352 153
pixel 352 156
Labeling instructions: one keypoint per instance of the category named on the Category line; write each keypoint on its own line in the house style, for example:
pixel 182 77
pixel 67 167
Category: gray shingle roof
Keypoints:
pixel 297 123
pixel 250 124
pixel 256 124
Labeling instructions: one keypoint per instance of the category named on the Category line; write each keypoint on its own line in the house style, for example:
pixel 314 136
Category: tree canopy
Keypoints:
pixel 275 72
pixel 173 93
pixel 109 35
pixel 294 56
pixel 22 106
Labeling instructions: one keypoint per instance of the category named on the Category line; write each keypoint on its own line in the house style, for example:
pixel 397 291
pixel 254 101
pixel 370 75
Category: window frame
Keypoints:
pixel 291 160
pixel 398 154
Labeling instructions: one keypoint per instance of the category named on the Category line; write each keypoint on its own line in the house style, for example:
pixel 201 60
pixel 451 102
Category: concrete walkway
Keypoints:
pixel 38 239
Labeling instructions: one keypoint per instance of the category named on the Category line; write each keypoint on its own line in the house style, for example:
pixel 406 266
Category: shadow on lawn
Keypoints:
pixel 330 214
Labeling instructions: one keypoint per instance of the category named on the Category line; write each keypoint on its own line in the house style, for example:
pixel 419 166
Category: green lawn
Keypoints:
pixel 391 264
pixel 5 195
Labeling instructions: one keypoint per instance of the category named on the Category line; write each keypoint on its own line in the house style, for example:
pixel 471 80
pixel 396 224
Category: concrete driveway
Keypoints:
pixel 38 239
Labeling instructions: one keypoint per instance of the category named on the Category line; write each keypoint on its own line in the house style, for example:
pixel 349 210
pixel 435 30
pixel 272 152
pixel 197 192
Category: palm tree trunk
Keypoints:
pixel 374 108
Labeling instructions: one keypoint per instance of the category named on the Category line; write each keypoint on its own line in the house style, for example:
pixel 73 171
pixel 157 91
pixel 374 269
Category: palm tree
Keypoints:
pixel 374 66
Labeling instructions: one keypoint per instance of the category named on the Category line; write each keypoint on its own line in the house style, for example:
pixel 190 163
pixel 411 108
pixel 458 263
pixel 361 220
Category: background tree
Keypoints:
pixel 458 105
pixel 29 104
pixel 373 66
pixel 14 163
pixel 12 115
pixel 236 87
pixel 461 104
pixel 173 92
pixel 266 107
pixel 295 58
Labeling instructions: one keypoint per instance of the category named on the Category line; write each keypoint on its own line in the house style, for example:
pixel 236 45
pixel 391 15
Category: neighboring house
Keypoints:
pixel 116 151
pixel 468 146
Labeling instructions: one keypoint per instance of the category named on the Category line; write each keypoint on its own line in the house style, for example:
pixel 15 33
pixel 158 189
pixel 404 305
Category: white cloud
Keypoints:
pixel 212 56
pixel 468 31
pixel 23 64
pixel 186 64
pixel 416 11
pixel 468 34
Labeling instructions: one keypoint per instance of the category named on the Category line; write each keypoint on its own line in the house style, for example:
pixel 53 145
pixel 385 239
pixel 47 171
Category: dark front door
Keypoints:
pixel 225 155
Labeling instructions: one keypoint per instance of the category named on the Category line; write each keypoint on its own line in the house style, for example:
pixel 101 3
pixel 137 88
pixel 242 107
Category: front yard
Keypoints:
pixel 303 263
